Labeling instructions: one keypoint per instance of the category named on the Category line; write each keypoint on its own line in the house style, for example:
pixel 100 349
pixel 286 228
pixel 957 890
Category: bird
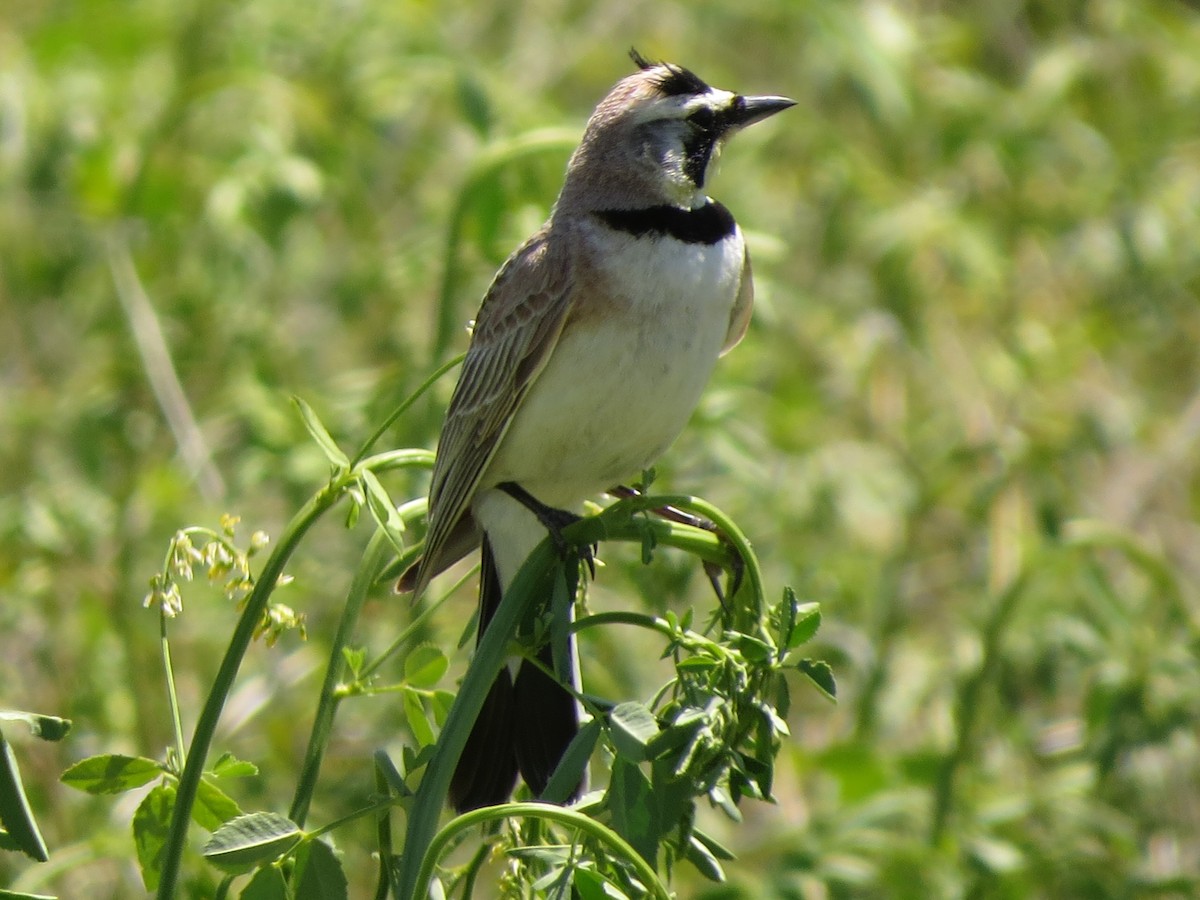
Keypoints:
pixel 587 357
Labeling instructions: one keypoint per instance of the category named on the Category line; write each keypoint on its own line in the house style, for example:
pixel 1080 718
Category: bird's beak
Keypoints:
pixel 748 110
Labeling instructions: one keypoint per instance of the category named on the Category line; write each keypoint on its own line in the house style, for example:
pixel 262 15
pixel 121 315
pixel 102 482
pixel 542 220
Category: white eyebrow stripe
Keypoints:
pixel 663 108
pixel 679 107
pixel 714 98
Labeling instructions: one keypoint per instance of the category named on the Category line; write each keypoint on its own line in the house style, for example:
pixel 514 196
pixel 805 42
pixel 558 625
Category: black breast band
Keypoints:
pixel 708 224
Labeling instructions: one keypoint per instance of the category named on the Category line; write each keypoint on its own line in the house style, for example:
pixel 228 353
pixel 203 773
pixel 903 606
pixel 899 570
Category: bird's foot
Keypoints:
pixel 713 570
pixel 554 520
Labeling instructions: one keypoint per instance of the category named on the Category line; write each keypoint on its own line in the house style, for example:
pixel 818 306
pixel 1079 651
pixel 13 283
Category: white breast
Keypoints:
pixel 619 388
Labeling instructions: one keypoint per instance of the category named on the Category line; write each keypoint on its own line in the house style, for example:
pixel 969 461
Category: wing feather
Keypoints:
pixel 515 332
pixel 739 316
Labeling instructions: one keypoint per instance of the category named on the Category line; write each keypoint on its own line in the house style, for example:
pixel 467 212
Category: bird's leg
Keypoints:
pixel 554 520
pixel 670 513
pixel 673 514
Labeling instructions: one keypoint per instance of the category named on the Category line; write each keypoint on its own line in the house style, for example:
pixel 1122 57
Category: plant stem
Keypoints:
pixel 418 621
pixel 403 407
pixel 373 561
pixel 378 806
pixel 256 604
pixel 748 620
pixel 540 576
pixel 206 725
pixel 533 582
pixel 383 832
pixel 552 813
pixel 172 694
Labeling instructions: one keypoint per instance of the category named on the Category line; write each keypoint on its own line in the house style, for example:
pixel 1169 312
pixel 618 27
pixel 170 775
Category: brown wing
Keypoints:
pixel 739 316
pixel 515 332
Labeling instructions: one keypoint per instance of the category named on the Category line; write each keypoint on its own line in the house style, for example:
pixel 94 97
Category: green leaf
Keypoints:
pixel 649 541
pixel 632 726
pixel 696 664
pixel 695 743
pixel 415 759
pixel 391 776
pixel 21 895
pixel 684 729
pixel 383 510
pixel 754 649
pixel 440 703
pixel 353 509
pixel 712 845
pixel 15 812
pixel 784 615
pixel 573 763
pixel 213 807
pixel 414 711
pixel 591 885
pixel 112 773
pixel 808 623
pixel 151 828
pixel 704 860
pixel 673 797
pixel 48 728
pixel 424 666
pixel 772 721
pixel 759 776
pixel 267 884
pixel 229 766
pixel 356 658
pixel 673 737
pixel 556 883
pixel 798 622
pixel 319 874
pixel 251 840
pixel 631 802
pixel 783 694
pixel 725 803
pixel 820 674
pixel 550 855
pixel 324 440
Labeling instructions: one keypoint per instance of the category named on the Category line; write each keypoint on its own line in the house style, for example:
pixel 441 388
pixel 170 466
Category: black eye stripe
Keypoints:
pixel 704 118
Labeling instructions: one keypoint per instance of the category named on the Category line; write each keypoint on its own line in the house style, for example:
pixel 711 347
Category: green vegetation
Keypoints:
pixel 965 422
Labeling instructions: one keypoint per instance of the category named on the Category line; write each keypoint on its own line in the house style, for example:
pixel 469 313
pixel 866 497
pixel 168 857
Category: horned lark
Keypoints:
pixel 588 355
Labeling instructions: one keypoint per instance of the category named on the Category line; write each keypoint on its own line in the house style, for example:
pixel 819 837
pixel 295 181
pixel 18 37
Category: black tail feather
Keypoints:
pixel 524 726
pixel 546 718
pixel 487 770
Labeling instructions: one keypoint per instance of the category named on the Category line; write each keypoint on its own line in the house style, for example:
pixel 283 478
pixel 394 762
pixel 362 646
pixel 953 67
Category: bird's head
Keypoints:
pixel 658 132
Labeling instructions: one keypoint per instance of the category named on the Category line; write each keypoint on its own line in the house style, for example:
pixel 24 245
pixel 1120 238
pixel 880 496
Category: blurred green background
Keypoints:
pixel 965 418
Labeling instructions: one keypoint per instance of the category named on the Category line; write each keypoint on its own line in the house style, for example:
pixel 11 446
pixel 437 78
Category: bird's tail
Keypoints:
pixel 546 720
pixel 524 726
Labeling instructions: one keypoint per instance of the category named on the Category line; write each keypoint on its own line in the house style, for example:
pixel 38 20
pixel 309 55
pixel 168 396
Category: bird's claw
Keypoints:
pixel 714 571
pixel 554 520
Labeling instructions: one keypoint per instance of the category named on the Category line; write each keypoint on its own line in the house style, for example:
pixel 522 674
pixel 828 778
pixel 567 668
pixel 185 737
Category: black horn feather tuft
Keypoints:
pixel 673 80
